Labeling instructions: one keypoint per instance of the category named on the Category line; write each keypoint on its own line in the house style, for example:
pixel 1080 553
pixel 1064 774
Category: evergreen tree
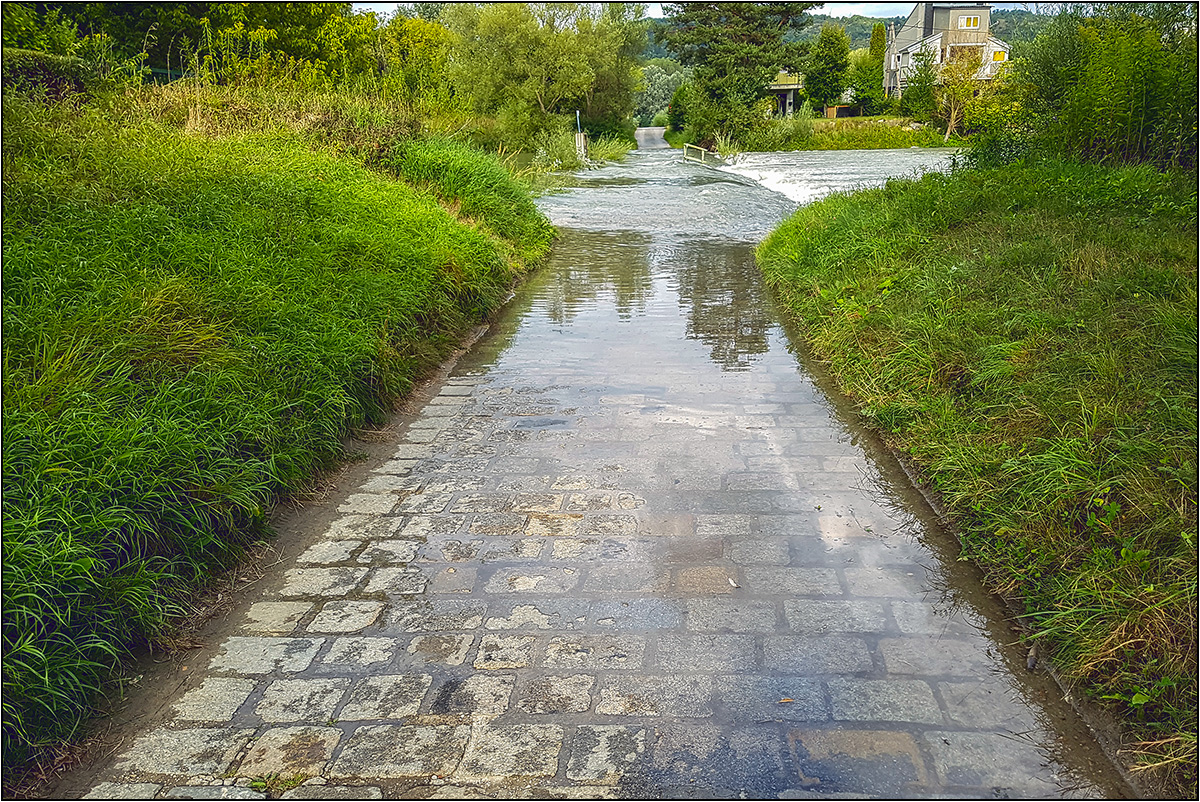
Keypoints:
pixel 736 50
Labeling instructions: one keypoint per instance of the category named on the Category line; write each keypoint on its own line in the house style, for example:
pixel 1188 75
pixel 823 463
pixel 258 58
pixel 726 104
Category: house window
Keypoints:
pixel 968 22
pixel 999 55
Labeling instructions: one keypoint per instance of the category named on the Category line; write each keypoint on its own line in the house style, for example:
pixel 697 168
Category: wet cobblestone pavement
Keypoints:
pixel 630 549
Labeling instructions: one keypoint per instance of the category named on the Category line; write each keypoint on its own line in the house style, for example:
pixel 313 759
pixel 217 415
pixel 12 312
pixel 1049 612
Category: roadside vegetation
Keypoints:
pixel 1024 330
pixel 230 240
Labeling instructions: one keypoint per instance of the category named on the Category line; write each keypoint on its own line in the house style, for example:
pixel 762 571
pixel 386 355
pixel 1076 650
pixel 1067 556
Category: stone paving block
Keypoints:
pixel 424 503
pixel 510 549
pixel 497 523
pixel 183 752
pixel 245 655
pixel 668 526
pixel 705 580
pixel 412 451
pixel 477 695
pixel 693 550
pixel 386 697
pixel 509 465
pixel 359 527
pixel 687 753
pixel 554 524
pixel 326 582
pixel 588 502
pixel 453 551
pixel 457 389
pixel 481 502
pixel 752 698
pixel 356 653
pixel 879 763
pixel 389 552
pixel 308 700
pixel 455 484
pixel 820 654
pixel 595 652
pixel 388 482
pixel 400 467
pixel 775 581
pixel 731 615
pixel 924 655
pixel 533 580
pixel 707 652
pixel 554 613
pixel 368 503
pixel 759 551
pixel 627 579
pixel 214 699
pixel 504 753
pixel 275 618
pixel 991 760
pixel 421 435
pixel 640 614
pixel 600 754
pixel 450 650
pixel 500 651
pixel 571 483
pixel 422 527
pixel 923 618
pixel 604 525
pixel 537 502
pixel 883 700
pixel 334 792
pixel 327 552
pixel 985 700
pixel 390 751
pixel 818 616
pixel 759 480
pixel 459 579
pixel 558 694
pixel 630 501
pixel 438 615
pixel 290 751
pixel 397 581
pixel 346 616
pixel 213 792
pixel 123 791
pixel 907 582
pixel 682 697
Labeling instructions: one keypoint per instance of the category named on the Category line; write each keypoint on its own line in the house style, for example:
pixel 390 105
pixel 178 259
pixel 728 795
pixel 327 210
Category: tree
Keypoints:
pixel 736 49
pixel 526 63
pixel 416 54
pixel 958 85
pixel 918 100
pixel 828 67
pixel 662 78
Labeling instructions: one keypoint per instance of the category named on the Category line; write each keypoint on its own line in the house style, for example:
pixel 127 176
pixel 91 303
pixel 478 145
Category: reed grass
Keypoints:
pixel 1028 336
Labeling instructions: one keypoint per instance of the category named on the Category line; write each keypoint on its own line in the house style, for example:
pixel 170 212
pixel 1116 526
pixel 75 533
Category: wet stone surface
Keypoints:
pixel 629 549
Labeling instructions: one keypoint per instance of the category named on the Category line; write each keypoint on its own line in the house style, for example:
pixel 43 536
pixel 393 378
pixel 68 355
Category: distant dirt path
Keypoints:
pixel 651 138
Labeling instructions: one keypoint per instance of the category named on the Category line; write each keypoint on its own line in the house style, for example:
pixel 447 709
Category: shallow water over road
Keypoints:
pixel 632 548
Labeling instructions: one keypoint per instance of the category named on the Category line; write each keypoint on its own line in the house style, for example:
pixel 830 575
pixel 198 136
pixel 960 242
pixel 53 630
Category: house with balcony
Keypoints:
pixel 943 30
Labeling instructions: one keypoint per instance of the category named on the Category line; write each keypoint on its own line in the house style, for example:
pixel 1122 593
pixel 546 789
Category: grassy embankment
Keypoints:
pixel 202 293
pixel 1028 336
pixel 862 133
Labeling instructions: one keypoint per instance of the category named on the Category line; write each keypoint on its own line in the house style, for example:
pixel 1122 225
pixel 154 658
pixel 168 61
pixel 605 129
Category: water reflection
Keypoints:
pixel 722 294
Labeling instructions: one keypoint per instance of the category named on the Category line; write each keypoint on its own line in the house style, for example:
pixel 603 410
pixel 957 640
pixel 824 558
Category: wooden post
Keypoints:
pixel 581 146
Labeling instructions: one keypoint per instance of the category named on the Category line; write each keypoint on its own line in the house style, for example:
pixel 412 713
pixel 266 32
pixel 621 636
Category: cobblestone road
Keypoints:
pixel 628 550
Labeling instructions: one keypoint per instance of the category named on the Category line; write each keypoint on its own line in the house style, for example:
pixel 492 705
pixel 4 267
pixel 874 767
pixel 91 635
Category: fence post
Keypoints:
pixel 581 145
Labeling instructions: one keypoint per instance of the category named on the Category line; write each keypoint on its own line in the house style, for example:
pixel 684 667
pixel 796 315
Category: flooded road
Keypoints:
pixel 633 548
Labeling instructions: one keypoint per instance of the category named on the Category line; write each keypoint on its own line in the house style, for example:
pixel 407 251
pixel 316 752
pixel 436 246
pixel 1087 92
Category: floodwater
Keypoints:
pixel 801 556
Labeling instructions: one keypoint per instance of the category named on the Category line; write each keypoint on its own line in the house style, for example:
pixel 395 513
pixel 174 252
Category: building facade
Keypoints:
pixel 943 30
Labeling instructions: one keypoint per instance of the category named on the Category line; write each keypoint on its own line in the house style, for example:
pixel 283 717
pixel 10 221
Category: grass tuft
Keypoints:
pixel 1028 335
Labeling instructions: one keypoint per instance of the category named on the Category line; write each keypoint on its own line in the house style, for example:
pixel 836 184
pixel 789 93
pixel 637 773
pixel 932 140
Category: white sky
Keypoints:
pixel 832 9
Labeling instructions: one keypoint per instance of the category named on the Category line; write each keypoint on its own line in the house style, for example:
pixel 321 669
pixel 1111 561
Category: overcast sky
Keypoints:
pixel 832 9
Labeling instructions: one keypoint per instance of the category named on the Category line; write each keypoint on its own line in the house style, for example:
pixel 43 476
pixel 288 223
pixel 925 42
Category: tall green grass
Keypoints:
pixel 192 319
pixel 1028 335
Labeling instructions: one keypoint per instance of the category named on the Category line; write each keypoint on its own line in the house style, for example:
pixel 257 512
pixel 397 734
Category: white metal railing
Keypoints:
pixel 697 154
